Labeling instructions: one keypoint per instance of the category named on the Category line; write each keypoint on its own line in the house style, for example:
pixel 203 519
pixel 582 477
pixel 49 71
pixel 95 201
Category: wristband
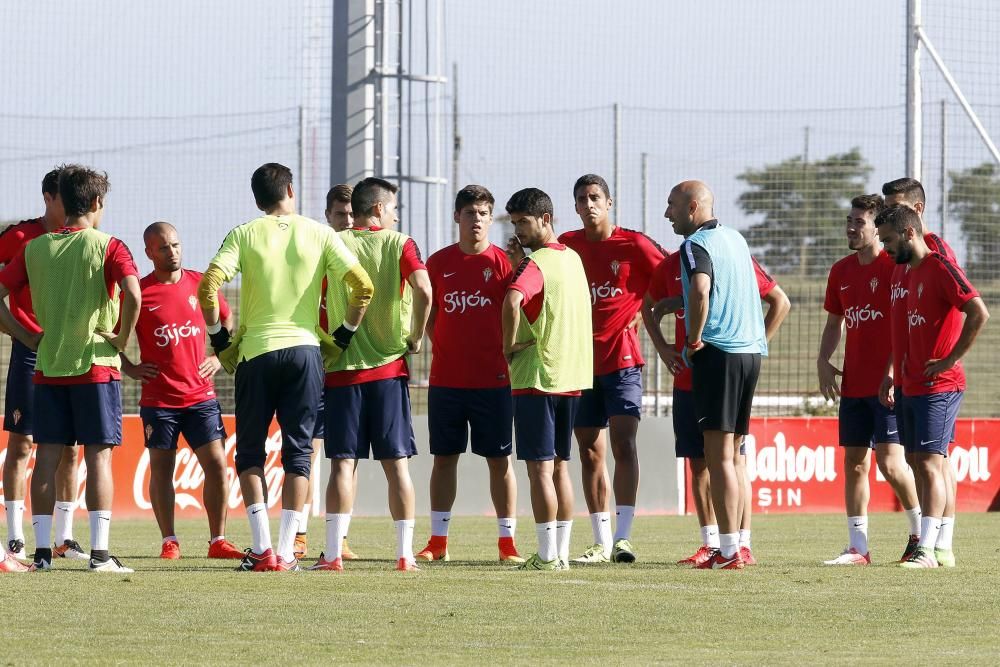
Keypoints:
pixel 214 328
pixel 342 336
pixel 697 345
pixel 350 327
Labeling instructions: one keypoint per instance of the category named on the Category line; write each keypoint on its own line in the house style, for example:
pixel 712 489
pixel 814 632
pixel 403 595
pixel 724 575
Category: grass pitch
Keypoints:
pixel 787 610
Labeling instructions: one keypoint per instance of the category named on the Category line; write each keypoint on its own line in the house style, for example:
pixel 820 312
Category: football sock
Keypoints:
pixel 729 543
pixel 217 538
pixel 857 529
pixel 929 528
pixel 260 529
pixel 42 524
pixel 170 538
pixel 946 533
pixel 600 524
pixel 347 522
pixel 710 536
pixel 15 519
pixel 745 537
pixel 304 519
pixel 286 534
pixel 913 516
pixel 439 523
pixel 63 519
pixel 563 531
pixel 100 528
pixel 336 530
pixel 623 521
pixel 506 527
pixel 547 548
pixel 404 539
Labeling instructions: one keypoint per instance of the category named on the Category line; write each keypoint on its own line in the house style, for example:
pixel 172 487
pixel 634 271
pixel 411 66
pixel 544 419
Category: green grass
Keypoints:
pixel 787 610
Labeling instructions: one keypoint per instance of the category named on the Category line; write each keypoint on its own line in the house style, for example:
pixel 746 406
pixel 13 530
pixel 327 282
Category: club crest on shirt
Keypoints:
pixel 615 265
pixel 193 301
pixel 487 272
pixel 920 290
pixel 874 284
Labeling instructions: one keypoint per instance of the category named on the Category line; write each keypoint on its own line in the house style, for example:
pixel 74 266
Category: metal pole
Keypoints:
pixel 944 169
pixel 644 180
pixel 438 125
pixel 914 119
pixel 456 139
pixel 303 198
pixel 616 187
pixel 950 80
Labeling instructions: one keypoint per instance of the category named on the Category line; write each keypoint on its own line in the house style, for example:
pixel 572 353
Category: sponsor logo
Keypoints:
pixel 915 319
pixel 461 301
pixel 605 291
pixel 787 463
pixel 898 292
pixel 449 275
pixel 152 308
pixel 843 287
pixel 171 333
pixel 855 315
pixel 971 464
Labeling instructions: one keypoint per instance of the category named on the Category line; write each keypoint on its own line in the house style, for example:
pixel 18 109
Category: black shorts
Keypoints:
pixel 452 413
pixel 724 383
pixel 200 424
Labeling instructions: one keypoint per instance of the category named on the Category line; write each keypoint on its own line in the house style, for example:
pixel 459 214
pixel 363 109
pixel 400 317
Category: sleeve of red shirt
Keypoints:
pixel 15 274
pixel 954 286
pixel 527 280
pixel 118 264
pixel 658 282
pixel 409 260
pixel 10 242
pixel 832 302
pixel 765 283
pixel 650 255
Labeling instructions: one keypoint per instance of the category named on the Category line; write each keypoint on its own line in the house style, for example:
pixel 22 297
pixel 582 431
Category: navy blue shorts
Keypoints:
pixel 200 424
pixel 929 422
pixel 543 426
pixel 452 413
pixel 319 430
pixel 89 414
pixel 18 412
pixel 287 383
pixel 371 419
pixel 898 399
pixel 688 440
pixel 865 422
pixel 614 394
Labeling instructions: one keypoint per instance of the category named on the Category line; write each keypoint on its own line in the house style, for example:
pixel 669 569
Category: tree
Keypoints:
pixel 974 198
pixel 804 206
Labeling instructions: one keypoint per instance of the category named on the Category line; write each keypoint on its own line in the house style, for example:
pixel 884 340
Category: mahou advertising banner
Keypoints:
pixel 131 473
pixel 795 465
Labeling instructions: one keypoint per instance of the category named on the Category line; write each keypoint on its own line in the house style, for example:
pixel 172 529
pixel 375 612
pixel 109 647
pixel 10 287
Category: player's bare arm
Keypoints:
pixel 132 299
pixel 420 281
pixel 667 306
pixel 667 353
pixel 510 320
pixel 826 371
pixel 778 306
pixel 885 394
pixel 697 311
pixel 976 315
pixel 10 325
pixel 143 372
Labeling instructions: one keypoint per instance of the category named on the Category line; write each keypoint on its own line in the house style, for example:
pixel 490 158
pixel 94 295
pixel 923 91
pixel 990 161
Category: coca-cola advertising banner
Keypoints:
pixel 795 465
pixel 131 473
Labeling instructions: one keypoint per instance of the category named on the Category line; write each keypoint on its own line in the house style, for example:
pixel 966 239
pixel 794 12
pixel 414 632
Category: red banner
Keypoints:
pixel 795 465
pixel 131 473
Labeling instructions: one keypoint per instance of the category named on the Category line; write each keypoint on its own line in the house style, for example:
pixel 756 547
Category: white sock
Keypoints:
pixel 857 530
pixel 600 524
pixel 304 519
pixel 260 529
pixel 745 537
pixel 913 516
pixel 946 533
pixel 170 538
pixel 547 547
pixel 623 521
pixel 506 526
pixel 100 529
pixel 63 519
pixel 404 539
pixel 930 527
pixel 286 534
pixel 336 530
pixel 710 536
pixel 439 523
pixel 217 538
pixel 563 531
pixel 15 519
pixel 729 543
pixel 42 524
pixel 347 524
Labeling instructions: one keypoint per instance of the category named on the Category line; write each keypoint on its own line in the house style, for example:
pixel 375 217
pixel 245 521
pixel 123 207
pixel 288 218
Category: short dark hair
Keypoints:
pixel 79 186
pixel 270 184
pixel 872 203
pixel 369 192
pixel 910 188
pixel 591 179
pixel 341 193
pixel 899 218
pixel 473 194
pixel 529 201
pixel 50 182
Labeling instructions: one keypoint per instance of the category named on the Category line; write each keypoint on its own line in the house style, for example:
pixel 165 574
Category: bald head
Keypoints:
pixel 689 205
pixel 163 248
pixel 157 229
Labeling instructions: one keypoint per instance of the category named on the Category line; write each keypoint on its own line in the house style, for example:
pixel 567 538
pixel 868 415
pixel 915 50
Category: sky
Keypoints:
pixel 180 101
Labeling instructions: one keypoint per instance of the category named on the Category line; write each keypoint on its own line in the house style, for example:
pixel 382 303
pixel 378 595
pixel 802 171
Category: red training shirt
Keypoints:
pixel 12 241
pixel 467 350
